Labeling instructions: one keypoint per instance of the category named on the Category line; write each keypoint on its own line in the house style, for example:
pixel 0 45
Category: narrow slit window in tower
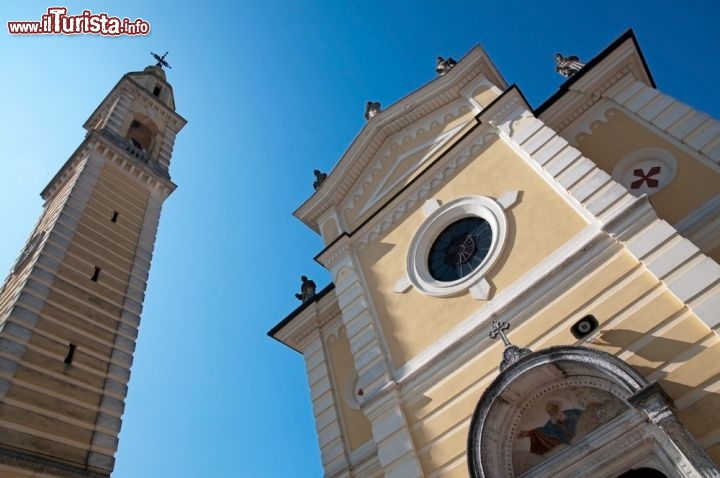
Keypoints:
pixel 95 275
pixel 71 352
pixel 114 217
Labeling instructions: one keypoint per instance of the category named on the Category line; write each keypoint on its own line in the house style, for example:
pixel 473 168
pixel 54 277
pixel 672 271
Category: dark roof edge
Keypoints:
pixel 629 34
pixel 296 312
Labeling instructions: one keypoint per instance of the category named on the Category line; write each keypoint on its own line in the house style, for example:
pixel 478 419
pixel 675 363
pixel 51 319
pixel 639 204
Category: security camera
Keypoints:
pixel 584 327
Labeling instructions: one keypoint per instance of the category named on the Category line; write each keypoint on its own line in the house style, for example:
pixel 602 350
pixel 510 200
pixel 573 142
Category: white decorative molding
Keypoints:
pixel 592 84
pixel 508 199
pixel 591 98
pixel 430 185
pixel 439 93
pixel 403 284
pixel 507 111
pixel 364 460
pixel 330 215
pixel 430 206
pixel 332 257
pixel 471 88
pixel 383 187
pixel 702 226
pixel 482 290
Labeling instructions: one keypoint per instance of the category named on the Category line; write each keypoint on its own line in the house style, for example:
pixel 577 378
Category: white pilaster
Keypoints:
pixel 381 403
pixel 332 450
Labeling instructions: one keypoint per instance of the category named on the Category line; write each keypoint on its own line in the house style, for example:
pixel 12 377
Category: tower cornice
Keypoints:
pixel 129 85
pixel 112 150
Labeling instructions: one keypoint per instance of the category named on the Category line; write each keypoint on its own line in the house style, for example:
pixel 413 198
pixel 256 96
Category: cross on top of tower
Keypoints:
pixel 161 60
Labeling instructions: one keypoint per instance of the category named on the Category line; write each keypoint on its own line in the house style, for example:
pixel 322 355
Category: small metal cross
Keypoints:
pixel 512 353
pixel 160 60
pixel 499 328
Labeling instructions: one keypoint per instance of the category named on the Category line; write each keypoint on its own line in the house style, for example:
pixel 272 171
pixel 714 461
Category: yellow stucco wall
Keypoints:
pixel 539 224
pixel 694 182
pixel 356 427
pixel 640 321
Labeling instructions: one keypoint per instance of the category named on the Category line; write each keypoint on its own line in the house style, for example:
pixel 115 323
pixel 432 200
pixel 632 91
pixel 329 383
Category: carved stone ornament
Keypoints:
pixel 512 354
pixel 443 66
pixel 567 66
pixel 567 411
pixel 319 179
pixel 307 290
pixel 372 108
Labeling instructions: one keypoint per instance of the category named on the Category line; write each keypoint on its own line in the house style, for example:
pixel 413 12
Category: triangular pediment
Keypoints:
pixel 403 139
pixel 403 156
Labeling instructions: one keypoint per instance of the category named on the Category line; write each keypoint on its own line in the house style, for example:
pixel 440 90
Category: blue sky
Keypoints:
pixel 272 90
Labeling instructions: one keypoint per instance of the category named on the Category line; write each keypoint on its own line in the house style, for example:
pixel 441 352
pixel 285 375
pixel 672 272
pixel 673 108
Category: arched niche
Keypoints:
pixel 574 411
pixel 141 133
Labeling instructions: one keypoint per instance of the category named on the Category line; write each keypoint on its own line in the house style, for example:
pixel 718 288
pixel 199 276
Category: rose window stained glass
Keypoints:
pixel 460 249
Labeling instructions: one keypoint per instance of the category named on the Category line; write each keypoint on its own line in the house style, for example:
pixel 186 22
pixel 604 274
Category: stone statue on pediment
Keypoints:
pixel 372 108
pixel 567 66
pixel 443 65
pixel 307 290
pixel 319 179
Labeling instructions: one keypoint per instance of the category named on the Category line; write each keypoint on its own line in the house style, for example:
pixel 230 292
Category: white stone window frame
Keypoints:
pixel 439 218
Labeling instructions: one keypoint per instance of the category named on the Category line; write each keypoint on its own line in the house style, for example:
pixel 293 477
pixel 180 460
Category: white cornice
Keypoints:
pixel 330 256
pixel 436 94
pixel 431 146
pixel 588 88
pixel 95 141
pixel 313 317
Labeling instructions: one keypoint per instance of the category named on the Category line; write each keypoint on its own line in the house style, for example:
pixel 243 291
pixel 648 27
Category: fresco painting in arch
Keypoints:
pixel 559 419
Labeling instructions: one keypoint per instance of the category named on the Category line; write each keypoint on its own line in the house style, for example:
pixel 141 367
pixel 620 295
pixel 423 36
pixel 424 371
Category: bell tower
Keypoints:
pixel 70 307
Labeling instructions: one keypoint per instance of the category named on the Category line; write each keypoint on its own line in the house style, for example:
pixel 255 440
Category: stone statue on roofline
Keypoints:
pixel 567 66
pixel 307 290
pixel 319 179
pixel 443 65
pixel 372 108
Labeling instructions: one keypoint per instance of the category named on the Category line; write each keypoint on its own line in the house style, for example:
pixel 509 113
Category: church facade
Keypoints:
pixel 518 291
pixel 70 307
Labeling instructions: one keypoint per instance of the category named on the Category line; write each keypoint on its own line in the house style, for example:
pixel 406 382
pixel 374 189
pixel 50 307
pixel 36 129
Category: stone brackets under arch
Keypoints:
pixel 573 411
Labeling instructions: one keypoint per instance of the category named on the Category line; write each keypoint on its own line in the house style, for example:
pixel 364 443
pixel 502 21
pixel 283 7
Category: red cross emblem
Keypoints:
pixel 640 173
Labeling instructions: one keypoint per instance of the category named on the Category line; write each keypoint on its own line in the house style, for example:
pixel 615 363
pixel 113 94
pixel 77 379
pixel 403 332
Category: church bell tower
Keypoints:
pixel 70 307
